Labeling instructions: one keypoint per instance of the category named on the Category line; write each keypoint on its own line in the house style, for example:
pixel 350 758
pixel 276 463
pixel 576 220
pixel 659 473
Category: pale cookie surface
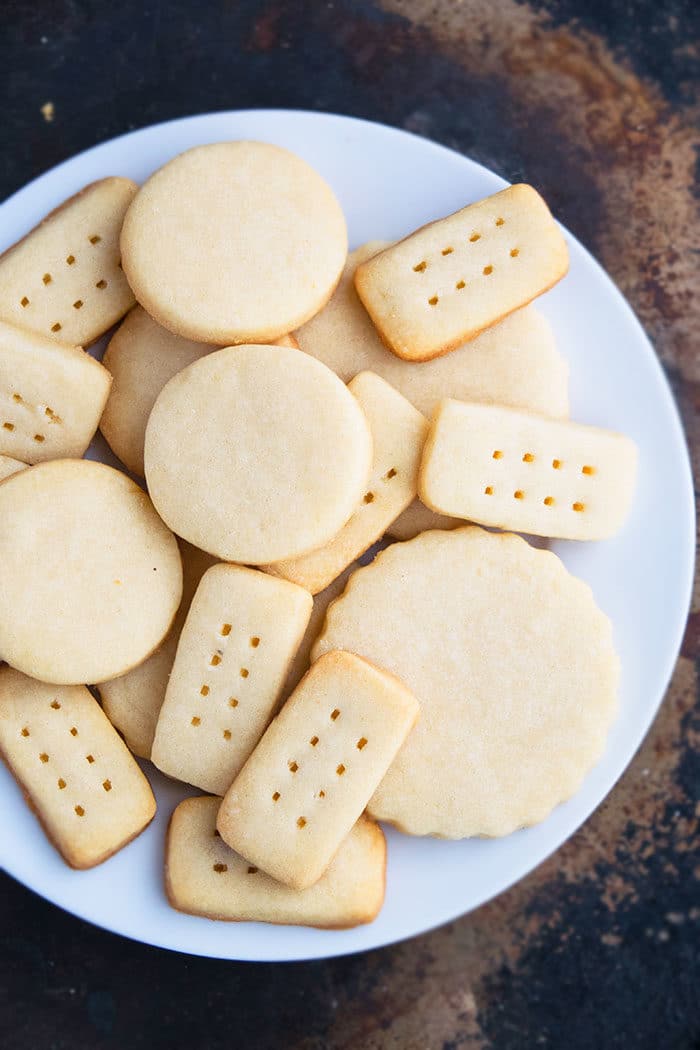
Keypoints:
pixel 203 876
pixel 51 396
pixel 234 242
pixel 418 518
pixel 398 433
pixel 514 363
pixel 142 357
pixel 233 656
pixel 133 701
pixel 312 774
pixel 9 466
pixel 514 668
pixel 302 657
pixel 447 282
pixel 91 577
pixel 75 770
pixel 257 453
pixel 496 466
pixel 63 279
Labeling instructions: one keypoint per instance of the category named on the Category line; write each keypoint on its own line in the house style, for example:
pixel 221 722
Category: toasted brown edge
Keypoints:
pixel 52 215
pixel 469 334
pixel 71 861
pixel 216 917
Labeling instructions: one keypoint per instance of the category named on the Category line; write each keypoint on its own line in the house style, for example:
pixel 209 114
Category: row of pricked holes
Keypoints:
pixel 43 757
pixel 47 279
pixel 421 267
pixel 548 501
pixel 487 271
pixel 557 464
pixel 340 769
pixel 53 418
pixel 216 658
pixel 221 868
pixel 391 473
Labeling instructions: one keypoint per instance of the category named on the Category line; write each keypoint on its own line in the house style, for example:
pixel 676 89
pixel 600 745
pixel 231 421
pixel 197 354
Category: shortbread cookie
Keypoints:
pixel 204 877
pixel 418 518
pixel 51 396
pixel 398 433
pixel 133 702
pixel 74 769
pixel 64 279
pixel 9 466
pixel 302 657
pixel 496 466
pixel 514 668
pixel 235 242
pixel 315 769
pixel 91 577
pixel 447 282
pixel 232 659
pixel 514 363
pixel 142 357
pixel 257 453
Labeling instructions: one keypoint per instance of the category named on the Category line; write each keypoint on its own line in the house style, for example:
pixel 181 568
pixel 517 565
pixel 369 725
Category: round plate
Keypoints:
pixel 390 182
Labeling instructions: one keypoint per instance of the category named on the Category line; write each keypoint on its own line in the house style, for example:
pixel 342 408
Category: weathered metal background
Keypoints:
pixel 597 104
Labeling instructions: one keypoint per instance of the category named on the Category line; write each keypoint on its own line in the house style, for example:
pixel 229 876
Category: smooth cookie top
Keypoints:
pixel 234 242
pixel 257 453
pixel 91 577
pixel 512 663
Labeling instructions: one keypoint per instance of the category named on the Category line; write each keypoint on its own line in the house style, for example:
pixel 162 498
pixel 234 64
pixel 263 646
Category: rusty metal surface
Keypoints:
pixel 597 104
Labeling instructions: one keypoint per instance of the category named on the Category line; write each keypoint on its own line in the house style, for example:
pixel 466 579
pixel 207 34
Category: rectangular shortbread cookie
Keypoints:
pixel 315 769
pixel 232 659
pixel 204 877
pixel 64 279
pixel 498 466
pixel 448 281
pixel 75 770
pixel 398 433
pixel 51 396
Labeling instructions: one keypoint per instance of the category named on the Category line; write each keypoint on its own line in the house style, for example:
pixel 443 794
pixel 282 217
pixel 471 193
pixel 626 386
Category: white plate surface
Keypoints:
pixel 390 182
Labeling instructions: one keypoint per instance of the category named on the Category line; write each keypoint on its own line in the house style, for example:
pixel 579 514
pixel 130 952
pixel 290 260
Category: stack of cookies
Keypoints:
pixel 279 407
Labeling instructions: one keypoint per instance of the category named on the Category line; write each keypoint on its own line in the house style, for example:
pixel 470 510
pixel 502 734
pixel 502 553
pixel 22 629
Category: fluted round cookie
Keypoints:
pixel 257 453
pixel 91 578
pixel 234 242
pixel 513 666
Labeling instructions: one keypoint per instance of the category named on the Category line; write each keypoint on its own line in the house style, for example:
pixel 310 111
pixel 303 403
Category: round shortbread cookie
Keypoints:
pixel 142 357
pixel 91 577
pixel 516 362
pixel 257 453
pixel 513 666
pixel 234 242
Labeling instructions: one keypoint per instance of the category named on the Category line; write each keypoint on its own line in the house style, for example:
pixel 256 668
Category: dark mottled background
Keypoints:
pixel 597 103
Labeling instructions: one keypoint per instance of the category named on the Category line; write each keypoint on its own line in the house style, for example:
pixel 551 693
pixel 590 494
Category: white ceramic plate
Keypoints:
pixel 390 182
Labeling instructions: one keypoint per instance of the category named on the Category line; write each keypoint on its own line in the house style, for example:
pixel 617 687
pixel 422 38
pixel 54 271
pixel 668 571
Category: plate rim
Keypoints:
pixel 688 529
